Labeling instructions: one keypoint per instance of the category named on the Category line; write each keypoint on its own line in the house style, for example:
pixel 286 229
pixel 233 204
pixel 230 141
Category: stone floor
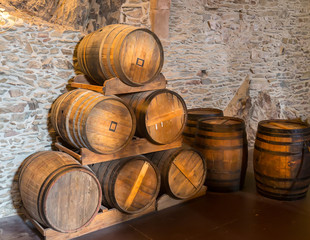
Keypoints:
pixel 243 215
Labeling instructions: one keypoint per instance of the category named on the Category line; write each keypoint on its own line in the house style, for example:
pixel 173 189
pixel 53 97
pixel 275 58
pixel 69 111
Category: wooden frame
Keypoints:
pixel 135 147
pixel 109 217
pixel 115 86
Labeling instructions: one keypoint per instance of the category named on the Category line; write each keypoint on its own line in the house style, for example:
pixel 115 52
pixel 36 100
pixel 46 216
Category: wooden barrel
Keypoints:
pixel 282 159
pixel 183 171
pixel 160 114
pixel 134 55
pixel 130 184
pixel 223 143
pixel 58 192
pixel 193 115
pixel 83 118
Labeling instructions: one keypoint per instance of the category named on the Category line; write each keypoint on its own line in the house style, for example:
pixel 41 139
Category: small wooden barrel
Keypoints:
pixel 58 192
pixel 183 171
pixel 223 143
pixel 193 115
pixel 130 184
pixel 83 118
pixel 282 159
pixel 160 114
pixel 134 55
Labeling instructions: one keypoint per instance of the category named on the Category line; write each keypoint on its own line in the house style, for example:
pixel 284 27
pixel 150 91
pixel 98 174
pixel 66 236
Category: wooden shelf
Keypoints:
pixel 115 86
pixel 109 217
pixel 135 147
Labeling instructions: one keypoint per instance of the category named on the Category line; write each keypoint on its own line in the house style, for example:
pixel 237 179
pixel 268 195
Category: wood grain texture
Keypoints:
pixel 58 192
pixel 116 86
pixel 281 159
pixel 183 171
pixel 223 143
pixel 135 147
pixel 83 118
pixel 160 114
pixel 134 55
pixel 193 115
pixel 130 184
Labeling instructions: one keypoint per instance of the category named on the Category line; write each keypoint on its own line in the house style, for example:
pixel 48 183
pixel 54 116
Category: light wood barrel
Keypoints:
pixel 58 192
pixel 160 114
pixel 130 184
pixel 183 171
pixel 193 115
pixel 223 143
pixel 134 55
pixel 282 159
pixel 83 118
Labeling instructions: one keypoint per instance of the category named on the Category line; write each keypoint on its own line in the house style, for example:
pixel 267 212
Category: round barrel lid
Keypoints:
pixel 110 125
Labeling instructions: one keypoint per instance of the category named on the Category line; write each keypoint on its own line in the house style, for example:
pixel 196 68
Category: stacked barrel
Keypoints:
pixel 60 193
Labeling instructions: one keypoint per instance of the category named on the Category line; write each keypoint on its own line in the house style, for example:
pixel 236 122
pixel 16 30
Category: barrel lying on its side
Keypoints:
pixel 223 143
pixel 183 171
pixel 58 192
pixel 193 115
pixel 160 114
pixel 130 184
pixel 83 118
pixel 282 159
pixel 134 55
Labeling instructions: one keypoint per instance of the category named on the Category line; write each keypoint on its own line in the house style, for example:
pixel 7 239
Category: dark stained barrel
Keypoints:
pixel 282 159
pixel 223 143
pixel 193 115
pixel 83 118
pixel 183 171
pixel 161 114
pixel 58 192
pixel 130 184
pixel 134 55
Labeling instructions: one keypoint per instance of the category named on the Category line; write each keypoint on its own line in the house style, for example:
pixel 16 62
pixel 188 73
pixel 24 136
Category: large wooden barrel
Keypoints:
pixel 183 171
pixel 223 143
pixel 134 55
pixel 160 114
pixel 83 118
pixel 282 159
pixel 58 192
pixel 193 115
pixel 130 184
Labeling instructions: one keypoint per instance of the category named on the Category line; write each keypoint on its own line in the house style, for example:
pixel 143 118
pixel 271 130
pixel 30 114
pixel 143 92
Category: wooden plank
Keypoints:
pixel 166 201
pixel 88 87
pixel 116 86
pixel 67 150
pixel 102 220
pixel 135 147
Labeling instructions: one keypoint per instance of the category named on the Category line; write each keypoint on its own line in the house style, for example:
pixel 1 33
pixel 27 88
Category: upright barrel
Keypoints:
pixel 282 159
pixel 130 184
pixel 58 192
pixel 134 55
pixel 223 143
pixel 183 171
pixel 193 115
pixel 161 114
pixel 83 118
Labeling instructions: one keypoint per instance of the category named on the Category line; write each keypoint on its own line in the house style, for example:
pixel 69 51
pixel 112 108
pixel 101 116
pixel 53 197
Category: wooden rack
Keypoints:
pixel 109 217
pixel 137 146
pixel 116 86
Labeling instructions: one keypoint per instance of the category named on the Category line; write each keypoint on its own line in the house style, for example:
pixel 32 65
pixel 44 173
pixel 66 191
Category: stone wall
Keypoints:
pixel 215 46
pixel 36 64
